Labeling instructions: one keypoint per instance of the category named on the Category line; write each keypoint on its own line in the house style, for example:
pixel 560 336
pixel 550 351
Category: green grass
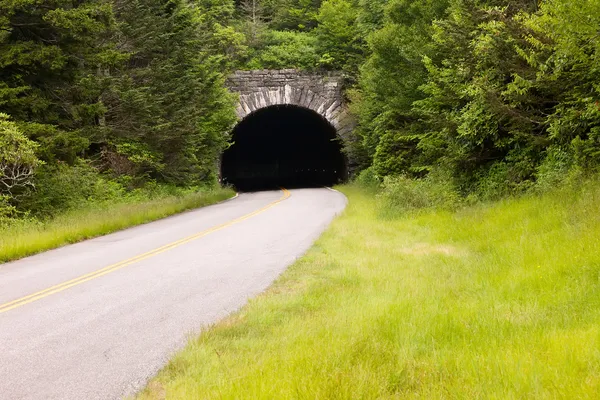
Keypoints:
pixel 497 301
pixel 28 237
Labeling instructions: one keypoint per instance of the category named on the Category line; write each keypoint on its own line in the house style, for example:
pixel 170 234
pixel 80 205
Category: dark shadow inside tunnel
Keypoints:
pixel 287 146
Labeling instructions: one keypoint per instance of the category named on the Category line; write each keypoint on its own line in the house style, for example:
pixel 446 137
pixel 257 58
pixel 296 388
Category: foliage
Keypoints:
pixel 478 106
pixel 50 56
pixel 8 212
pixel 302 34
pixel 368 179
pixel 558 169
pixel 18 161
pixel 569 59
pixel 487 90
pixel 283 49
pixel 253 21
pixel 502 95
pixel 338 40
pixel 300 15
pixel 168 111
pixel 402 194
pixel 123 90
pixel 64 187
pixel 390 79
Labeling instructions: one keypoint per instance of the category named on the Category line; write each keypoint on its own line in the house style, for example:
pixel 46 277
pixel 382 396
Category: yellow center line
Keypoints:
pixel 122 264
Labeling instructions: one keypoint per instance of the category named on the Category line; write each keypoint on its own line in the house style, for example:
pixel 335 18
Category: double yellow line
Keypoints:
pixel 114 267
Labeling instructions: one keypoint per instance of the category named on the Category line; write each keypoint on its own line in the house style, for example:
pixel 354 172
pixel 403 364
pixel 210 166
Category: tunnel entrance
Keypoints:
pixel 285 145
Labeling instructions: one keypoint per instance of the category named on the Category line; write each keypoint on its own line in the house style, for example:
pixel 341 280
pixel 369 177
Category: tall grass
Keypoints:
pixel 21 238
pixel 497 301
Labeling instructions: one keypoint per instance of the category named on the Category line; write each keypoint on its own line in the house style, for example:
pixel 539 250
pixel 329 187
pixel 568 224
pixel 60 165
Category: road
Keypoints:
pixel 97 319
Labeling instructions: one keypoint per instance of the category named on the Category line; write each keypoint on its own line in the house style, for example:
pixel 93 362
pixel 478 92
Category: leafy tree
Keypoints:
pixel 371 16
pixel 566 55
pixel 168 111
pixel 128 87
pixel 476 103
pixel 52 58
pixel 254 24
pixel 18 160
pixel 338 38
pixel 389 82
pixel 300 15
pixel 286 49
pixel 216 33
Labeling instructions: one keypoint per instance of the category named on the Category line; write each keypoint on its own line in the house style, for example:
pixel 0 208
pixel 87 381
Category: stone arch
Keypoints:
pixel 331 109
pixel 281 144
pixel 320 92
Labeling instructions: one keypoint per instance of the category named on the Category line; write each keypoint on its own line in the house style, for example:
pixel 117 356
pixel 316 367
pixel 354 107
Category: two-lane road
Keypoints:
pixel 96 319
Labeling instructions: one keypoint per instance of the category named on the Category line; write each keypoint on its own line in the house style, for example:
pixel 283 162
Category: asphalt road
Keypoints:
pixel 97 319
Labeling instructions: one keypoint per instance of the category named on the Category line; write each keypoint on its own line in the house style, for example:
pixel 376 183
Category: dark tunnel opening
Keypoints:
pixel 283 146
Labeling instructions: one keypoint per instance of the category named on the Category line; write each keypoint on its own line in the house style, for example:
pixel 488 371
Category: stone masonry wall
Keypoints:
pixel 320 92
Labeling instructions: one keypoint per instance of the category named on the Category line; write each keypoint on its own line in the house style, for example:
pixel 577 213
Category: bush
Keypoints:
pixel 7 211
pixel 368 179
pixel 62 187
pixel 285 49
pixel 18 161
pixel 402 194
pixel 505 179
pixel 554 171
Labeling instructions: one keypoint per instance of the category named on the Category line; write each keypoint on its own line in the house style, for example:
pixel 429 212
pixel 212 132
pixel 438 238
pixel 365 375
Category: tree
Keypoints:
pixel 566 53
pixel 18 159
pixel 286 49
pixel 338 38
pixel 52 55
pixel 483 102
pixel 390 79
pixel 371 16
pixel 299 15
pixel 168 111
pixel 254 21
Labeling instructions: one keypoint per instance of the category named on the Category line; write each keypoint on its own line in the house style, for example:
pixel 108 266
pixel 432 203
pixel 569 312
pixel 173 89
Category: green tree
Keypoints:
pixel 371 16
pixel 338 38
pixel 389 82
pixel 253 21
pixel 299 15
pixel 168 112
pixel 484 107
pixel 53 55
pixel 18 160
pixel 286 49
pixel 566 54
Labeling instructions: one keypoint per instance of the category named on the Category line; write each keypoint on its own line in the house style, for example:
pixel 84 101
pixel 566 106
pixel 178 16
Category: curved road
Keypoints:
pixel 95 320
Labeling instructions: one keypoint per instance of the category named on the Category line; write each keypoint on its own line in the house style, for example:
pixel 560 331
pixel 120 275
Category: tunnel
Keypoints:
pixel 283 146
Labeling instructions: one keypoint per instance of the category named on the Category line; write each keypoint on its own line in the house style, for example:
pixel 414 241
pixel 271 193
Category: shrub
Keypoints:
pixel 284 49
pixel 7 210
pixel 62 187
pixel 18 161
pixel 504 179
pixel 402 194
pixel 367 178
pixel 554 171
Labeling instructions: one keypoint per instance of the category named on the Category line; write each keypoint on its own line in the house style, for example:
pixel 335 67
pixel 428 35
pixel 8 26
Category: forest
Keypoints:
pixel 105 100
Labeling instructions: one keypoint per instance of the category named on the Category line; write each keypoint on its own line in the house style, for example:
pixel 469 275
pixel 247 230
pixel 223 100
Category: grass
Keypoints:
pixel 498 301
pixel 29 237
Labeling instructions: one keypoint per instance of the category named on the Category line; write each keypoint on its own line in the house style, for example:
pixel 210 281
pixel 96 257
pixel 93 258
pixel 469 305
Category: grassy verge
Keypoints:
pixel 28 237
pixel 492 301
